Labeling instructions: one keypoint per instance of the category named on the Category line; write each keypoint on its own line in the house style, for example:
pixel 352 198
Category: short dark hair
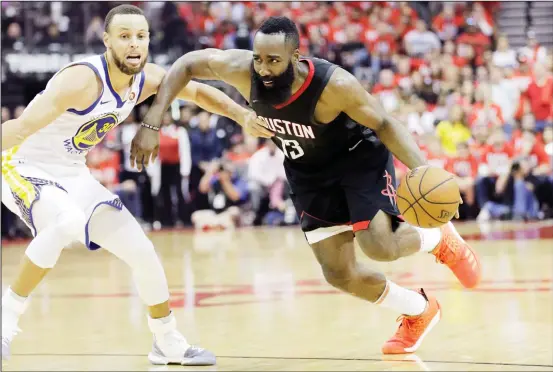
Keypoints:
pixel 282 25
pixel 121 9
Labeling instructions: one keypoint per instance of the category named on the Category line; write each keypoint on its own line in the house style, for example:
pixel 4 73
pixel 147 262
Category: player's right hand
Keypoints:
pixel 255 126
pixel 144 146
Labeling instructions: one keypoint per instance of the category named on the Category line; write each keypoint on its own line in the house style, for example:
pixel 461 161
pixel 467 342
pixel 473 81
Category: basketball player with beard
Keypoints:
pixel 45 180
pixel 338 144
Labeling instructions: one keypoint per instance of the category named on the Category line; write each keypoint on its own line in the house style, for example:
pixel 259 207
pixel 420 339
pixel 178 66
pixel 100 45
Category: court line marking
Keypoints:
pixel 306 358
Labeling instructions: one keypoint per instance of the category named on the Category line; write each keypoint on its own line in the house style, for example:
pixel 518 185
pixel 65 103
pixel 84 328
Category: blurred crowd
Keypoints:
pixel 477 107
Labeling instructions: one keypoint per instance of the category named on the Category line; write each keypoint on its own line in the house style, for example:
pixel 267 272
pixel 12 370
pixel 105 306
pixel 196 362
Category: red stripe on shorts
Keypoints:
pixel 361 225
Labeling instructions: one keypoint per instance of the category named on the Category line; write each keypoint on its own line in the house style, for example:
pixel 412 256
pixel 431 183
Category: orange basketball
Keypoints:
pixel 428 197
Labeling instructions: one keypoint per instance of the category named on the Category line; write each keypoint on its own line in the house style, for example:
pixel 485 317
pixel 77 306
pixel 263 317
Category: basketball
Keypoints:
pixel 428 197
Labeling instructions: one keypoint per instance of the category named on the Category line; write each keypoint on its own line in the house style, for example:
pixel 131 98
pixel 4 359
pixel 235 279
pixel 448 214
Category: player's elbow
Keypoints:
pixel 180 72
pixel 193 63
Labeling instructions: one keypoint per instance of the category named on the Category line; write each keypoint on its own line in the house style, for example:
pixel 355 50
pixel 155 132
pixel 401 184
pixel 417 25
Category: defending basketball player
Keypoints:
pixel 337 141
pixel 46 182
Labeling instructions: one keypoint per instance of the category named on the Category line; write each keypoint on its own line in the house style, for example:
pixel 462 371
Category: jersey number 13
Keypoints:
pixel 291 148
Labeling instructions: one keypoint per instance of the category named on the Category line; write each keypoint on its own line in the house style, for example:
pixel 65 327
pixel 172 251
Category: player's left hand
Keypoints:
pixel 254 125
pixel 144 146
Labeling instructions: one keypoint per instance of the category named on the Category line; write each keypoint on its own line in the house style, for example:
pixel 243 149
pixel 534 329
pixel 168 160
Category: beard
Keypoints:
pixel 279 92
pixel 128 70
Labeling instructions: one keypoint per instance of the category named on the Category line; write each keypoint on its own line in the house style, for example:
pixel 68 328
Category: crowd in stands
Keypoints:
pixel 476 106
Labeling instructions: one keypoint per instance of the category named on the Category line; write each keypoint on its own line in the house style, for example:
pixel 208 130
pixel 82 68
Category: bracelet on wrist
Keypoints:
pixel 152 127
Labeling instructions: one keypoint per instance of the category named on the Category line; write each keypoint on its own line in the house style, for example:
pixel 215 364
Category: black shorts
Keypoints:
pixel 344 195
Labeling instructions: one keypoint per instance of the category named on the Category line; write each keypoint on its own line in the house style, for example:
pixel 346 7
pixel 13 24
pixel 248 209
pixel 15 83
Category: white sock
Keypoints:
pixel 430 238
pixel 13 306
pixel 402 300
pixel 167 326
pixel 13 301
pixel 161 326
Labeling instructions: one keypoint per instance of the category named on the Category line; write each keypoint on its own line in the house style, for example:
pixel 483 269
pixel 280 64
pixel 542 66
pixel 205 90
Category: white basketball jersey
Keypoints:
pixel 67 140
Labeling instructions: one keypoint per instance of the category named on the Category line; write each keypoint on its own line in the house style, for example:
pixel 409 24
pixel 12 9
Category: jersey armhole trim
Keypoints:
pixel 91 107
pixel 141 85
pixel 317 95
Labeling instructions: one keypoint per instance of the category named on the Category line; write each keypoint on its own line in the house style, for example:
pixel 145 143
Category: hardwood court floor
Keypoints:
pixel 256 297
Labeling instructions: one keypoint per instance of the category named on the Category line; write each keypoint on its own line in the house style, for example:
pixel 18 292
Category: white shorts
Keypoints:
pixel 22 183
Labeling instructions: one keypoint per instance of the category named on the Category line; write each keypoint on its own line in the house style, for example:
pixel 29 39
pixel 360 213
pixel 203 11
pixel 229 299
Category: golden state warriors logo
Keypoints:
pixel 92 133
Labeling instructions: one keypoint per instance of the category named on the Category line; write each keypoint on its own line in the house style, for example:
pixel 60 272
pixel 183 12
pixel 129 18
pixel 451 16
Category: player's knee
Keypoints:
pixel 337 277
pixel 139 253
pixel 71 224
pixel 376 245
pixel 146 252
pixel 65 228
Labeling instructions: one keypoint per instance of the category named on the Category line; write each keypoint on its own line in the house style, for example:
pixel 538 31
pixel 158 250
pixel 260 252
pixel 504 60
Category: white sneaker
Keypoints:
pixel 173 349
pixel 7 337
pixel 5 349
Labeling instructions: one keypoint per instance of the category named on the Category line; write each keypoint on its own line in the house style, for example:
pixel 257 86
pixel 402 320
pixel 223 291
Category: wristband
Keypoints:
pixel 152 127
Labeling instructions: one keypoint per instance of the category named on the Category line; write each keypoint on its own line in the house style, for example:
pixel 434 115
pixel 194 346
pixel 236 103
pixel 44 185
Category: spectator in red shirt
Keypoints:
pixel 465 97
pixel 465 167
pixel 318 45
pixel 403 75
pixel 497 155
pixel 404 25
pixel 484 111
pixel 386 90
pixel 174 165
pixel 535 189
pixel 475 38
pixel 402 9
pixel 527 123
pixel 385 43
pixel 447 23
pixel 534 152
pixel 479 146
pixel 450 56
pixel 434 153
pixel 493 194
pixel 104 166
pixel 482 18
pixel 540 96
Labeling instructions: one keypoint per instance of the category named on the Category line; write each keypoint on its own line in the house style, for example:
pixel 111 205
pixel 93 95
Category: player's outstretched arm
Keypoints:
pixel 230 66
pixel 75 87
pixel 358 104
pixel 208 98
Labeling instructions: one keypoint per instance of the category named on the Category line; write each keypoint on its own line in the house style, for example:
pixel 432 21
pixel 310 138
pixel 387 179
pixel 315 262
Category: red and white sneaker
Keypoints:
pixel 413 329
pixel 454 252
